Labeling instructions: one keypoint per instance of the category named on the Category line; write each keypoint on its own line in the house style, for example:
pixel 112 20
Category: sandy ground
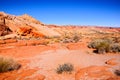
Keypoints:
pixel 40 62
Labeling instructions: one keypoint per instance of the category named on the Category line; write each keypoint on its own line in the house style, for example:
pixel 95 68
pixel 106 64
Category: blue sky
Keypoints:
pixel 67 12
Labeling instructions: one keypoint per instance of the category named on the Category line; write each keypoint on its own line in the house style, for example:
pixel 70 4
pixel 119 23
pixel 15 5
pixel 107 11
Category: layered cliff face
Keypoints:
pixel 24 25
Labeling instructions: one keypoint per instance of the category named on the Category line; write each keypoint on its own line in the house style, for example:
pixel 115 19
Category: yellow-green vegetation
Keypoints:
pixel 67 37
pixel 7 64
pixel 73 37
pixel 105 45
pixel 67 67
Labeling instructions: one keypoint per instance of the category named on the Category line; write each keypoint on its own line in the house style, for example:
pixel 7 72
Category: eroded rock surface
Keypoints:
pixel 24 25
pixel 95 73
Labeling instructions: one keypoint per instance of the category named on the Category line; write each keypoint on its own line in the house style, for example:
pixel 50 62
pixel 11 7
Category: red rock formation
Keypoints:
pixel 22 75
pixel 4 30
pixel 24 25
pixel 26 31
pixel 94 73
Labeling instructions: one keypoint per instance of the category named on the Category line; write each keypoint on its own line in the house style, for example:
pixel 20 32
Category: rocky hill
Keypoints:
pixel 24 25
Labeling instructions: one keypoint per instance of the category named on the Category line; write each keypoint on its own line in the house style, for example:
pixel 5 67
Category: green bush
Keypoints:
pixel 94 43
pixel 101 45
pixel 64 68
pixel 104 46
pixel 8 65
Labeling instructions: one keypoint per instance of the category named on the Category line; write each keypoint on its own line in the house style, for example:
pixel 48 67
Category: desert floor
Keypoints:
pixel 40 62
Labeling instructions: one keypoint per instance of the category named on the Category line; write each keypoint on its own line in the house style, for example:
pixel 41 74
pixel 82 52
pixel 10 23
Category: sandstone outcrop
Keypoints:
pixel 4 30
pixel 94 73
pixel 24 25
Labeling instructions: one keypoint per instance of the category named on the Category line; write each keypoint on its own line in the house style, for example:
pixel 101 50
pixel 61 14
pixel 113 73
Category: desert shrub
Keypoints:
pixel 66 40
pixel 116 39
pixel 54 40
pixel 104 45
pixel 117 72
pixel 66 37
pixel 101 45
pixel 71 37
pixel 94 43
pixel 99 42
pixel 76 37
pixel 64 68
pixel 115 47
pixel 8 65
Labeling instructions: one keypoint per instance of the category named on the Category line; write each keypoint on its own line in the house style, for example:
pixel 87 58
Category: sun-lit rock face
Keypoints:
pixel 25 25
pixel 28 18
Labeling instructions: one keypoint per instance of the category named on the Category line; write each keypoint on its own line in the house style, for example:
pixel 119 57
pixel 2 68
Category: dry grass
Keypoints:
pixel 71 37
pixel 67 37
pixel 65 68
pixel 104 45
pixel 7 64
